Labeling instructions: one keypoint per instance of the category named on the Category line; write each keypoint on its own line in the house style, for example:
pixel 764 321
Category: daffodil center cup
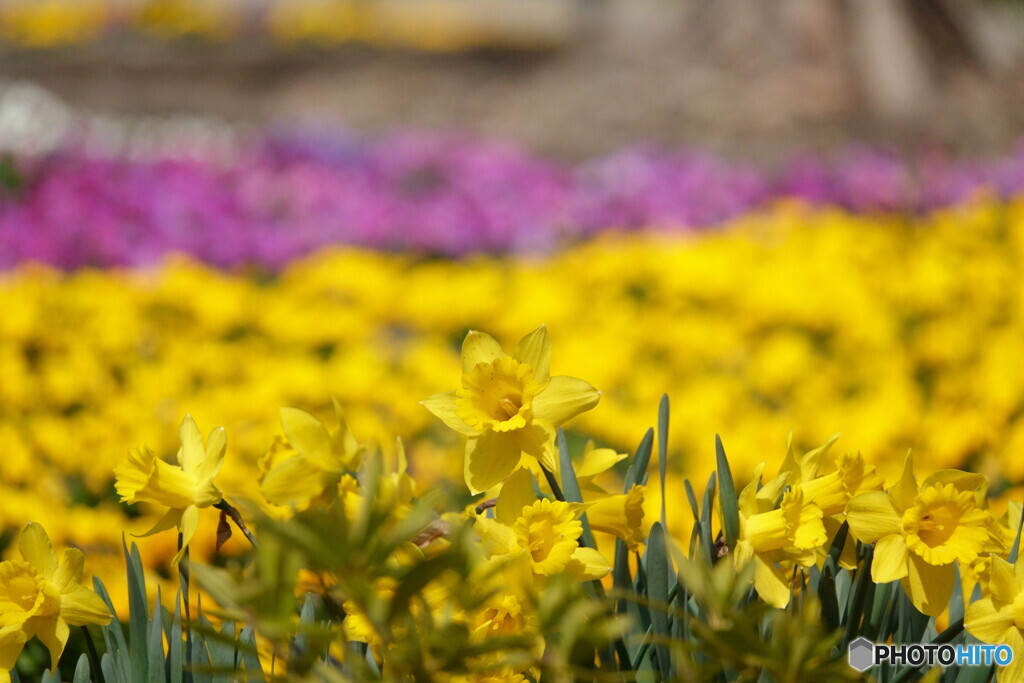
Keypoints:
pixel 548 532
pixel 945 525
pixel 497 395
pixel 502 618
pixel 23 593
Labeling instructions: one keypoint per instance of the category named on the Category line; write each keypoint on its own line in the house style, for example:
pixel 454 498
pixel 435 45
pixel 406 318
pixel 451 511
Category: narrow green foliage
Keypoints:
pixel 641 460
pixel 658 571
pixel 82 671
pixel 727 496
pixel 706 539
pixel 571 487
pixel 663 453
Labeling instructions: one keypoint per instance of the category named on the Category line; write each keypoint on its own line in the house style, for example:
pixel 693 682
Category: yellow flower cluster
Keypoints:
pixel 901 333
pixel 51 23
pixel 433 25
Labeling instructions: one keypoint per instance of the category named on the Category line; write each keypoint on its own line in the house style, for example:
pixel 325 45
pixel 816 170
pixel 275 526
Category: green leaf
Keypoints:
pixel 200 668
pixel 138 614
pixel 658 571
pixel 706 538
pixel 640 461
pixel 250 659
pixel 157 668
pixel 727 496
pixel 827 595
pixel 692 497
pixel 911 623
pixel 113 638
pixel 174 649
pixel 307 619
pixel 663 451
pixel 621 578
pixel 874 621
pixel 82 672
pixel 956 599
pixel 858 597
pixel 110 673
pixel 838 542
pixel 222 652
pixel 571 487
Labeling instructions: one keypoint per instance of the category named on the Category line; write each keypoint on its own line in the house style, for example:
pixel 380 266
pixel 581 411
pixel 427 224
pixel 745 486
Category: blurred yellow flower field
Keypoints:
pixel 898 332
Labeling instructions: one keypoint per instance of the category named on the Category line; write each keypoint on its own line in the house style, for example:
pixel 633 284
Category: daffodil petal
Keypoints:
pixel 35 547
pixel 1002 583
pixel 904 491
pixel 563 399
pixel 928 586
pixel 443 407
pixel 213 459
pixel 68 575
pixel 133 473
pixel 538 440
pixel 479 347
pixel 192 451
pixel 292 481
pixel 490 458
pixel 889 562
pixel 535 350
pixel 53 632
pixel 598 460
pixel 169 485
pixel 497 538
pixel 307 435
pixel 82 606
pixel 170 520
pixel 871 516
pixel 12 641
pixel 986 623
pixel 770 584
pixel 189 524
pixel 516 493
pixel 587 564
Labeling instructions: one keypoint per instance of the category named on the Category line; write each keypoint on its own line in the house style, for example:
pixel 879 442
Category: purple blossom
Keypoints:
pixel 293 193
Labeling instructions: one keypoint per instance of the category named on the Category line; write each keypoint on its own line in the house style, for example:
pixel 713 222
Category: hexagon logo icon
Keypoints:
pixel 862 654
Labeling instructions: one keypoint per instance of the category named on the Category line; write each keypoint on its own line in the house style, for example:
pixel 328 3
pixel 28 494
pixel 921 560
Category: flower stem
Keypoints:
pixel 94 657
pixel 183 574
pixel 236 517
pixel 553 483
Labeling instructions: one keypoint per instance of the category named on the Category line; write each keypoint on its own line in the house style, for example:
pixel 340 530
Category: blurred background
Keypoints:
pixel 787 215
pixel 566 78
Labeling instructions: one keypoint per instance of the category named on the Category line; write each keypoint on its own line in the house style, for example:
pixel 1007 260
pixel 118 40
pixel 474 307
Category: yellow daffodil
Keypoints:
pixel 309 460
pixel 509 405
pixel 830 484
pixel 546 531
pixel 42 597
pixel 999 617
pixel 774 538
pixel 919 532
pixel 184 489
pixel 620 515
pixel 596 461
